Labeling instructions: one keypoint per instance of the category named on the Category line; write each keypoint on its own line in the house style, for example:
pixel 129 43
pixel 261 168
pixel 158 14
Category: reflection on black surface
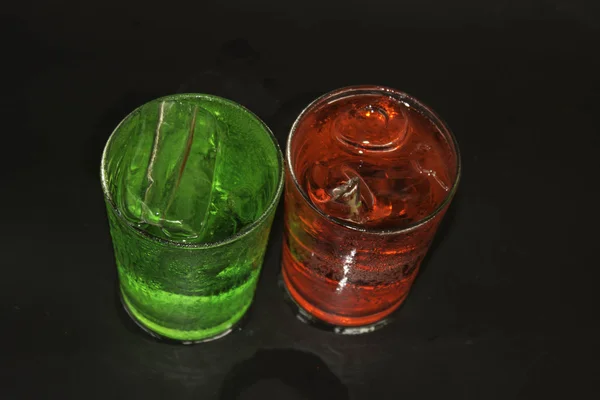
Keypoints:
pixel 284 373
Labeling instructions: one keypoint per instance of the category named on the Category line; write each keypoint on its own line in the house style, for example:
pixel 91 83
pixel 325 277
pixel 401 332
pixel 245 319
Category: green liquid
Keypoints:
pixel 190 179
pixel 218 313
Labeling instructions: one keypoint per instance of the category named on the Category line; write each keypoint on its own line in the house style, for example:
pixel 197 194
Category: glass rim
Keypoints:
pixel 206 245
pixel 348 91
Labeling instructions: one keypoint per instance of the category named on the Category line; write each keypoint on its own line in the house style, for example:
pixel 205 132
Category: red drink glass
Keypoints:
pixel 370 174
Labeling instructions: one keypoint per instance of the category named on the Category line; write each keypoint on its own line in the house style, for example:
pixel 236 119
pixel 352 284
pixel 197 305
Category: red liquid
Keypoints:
pixel 370 162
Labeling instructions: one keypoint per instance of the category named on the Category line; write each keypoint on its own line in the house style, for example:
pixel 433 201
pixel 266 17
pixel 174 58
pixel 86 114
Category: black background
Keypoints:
pixel 503 307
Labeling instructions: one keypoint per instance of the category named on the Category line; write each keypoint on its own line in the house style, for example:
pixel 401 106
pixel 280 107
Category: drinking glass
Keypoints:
pixel 191 183
pixel 370 174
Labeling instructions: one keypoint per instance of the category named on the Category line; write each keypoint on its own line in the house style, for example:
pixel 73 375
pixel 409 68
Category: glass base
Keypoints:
pixel 138 320
pixel 310 319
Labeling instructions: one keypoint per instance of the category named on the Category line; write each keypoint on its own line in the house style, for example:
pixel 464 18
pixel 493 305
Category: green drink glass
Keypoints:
pixel 191 184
